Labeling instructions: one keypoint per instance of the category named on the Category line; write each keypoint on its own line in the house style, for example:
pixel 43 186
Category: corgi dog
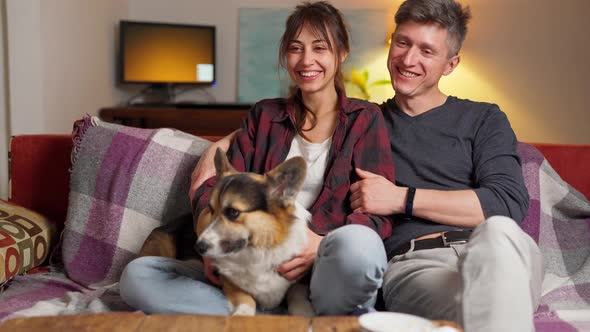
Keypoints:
pixel 249 229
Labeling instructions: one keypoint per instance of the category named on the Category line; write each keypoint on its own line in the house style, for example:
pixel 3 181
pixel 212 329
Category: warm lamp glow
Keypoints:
pixel 466 83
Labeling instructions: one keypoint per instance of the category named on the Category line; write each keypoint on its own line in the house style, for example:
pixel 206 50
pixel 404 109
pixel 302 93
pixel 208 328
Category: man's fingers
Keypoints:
pixel 354 202
pixel 357 206
pixel 354 187
pixel 360 173
pixel 355 195
pixel 365 174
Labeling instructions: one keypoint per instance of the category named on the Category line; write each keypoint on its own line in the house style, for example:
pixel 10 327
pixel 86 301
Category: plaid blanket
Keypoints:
pixel 53 294
pixel 559 220
pixel 125 182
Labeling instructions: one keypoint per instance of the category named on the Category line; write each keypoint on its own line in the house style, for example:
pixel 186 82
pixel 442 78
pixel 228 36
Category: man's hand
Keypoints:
pixel 297 267
pixel 211 272
pixel 206 165
pixel 377 195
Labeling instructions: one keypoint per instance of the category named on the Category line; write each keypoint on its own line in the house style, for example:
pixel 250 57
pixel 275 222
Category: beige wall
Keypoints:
pixel 529 56
pixel 62 58
pixel 61 65
pixel 61 61
pixel 532 59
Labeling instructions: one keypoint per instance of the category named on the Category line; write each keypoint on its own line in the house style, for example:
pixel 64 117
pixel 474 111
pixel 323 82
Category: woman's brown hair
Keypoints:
pixel 325 21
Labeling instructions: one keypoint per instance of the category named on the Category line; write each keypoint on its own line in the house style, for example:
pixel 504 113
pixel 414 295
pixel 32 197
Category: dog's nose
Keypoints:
pixel 201 247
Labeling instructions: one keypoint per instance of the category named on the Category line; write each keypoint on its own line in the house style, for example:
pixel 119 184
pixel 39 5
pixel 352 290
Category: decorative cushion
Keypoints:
pixel 125 181
pixel 25 240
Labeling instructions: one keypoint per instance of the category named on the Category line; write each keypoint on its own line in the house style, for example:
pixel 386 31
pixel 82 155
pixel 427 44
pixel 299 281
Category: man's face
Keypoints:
pixel 418 57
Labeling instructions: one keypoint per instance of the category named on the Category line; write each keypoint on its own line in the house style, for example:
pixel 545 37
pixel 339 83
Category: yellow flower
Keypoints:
pixel 360 80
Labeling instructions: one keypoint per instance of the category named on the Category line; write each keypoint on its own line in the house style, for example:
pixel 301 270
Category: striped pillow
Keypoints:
pixel 125 182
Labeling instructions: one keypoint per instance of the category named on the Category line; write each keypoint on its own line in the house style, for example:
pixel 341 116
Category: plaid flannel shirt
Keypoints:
pixel 359 140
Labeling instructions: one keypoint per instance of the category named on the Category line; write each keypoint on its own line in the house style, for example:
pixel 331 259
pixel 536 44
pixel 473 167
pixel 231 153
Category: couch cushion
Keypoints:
pixel 25 239
pixel 125 182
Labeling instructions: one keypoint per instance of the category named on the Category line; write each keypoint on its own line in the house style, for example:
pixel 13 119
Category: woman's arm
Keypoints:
pixel 240 153
pixel 205 166
pixel 372 152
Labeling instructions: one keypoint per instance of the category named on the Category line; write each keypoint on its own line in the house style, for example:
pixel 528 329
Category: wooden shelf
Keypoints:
pixel 205 119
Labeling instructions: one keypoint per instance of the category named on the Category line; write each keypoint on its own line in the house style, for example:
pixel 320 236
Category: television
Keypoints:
pixel 166 54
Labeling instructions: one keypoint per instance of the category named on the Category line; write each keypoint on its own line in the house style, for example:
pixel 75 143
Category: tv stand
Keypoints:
pixel 211 119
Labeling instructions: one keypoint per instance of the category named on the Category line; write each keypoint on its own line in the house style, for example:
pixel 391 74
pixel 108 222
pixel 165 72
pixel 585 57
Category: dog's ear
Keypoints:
pixel 222 165
pixel 286 179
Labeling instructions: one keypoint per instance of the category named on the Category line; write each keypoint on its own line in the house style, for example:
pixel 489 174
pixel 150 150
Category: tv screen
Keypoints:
pixel 164 53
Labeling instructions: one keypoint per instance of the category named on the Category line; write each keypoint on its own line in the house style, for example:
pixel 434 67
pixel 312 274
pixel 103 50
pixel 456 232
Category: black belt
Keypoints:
pixel 442 241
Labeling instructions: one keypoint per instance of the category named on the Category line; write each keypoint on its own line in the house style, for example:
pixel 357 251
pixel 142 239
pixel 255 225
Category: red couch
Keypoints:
pixel 39 173
pixel 40 179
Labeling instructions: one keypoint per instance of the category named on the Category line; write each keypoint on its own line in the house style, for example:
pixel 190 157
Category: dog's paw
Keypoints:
pixel 244 310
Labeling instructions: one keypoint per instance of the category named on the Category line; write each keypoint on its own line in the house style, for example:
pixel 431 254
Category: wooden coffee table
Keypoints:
pixel 138 322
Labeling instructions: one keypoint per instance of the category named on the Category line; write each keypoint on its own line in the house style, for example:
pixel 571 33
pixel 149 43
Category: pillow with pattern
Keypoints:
pixel 125 182
pixel 26 238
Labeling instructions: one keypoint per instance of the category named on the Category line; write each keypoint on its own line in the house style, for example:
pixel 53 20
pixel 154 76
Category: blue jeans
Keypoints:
pixel 346 275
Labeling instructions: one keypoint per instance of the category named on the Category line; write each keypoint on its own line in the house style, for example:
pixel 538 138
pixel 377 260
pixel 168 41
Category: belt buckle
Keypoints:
pixel 447 242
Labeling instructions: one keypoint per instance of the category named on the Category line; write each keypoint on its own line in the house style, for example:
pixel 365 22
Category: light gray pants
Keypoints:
pixel 346 275
pixel 492 283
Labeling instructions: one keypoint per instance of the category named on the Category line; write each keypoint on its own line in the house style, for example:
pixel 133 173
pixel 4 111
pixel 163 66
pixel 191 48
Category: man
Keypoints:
pixel 457 170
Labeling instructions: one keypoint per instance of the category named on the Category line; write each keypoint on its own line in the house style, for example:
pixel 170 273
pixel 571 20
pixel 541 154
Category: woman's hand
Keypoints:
pixel 299 265
pixel 211 272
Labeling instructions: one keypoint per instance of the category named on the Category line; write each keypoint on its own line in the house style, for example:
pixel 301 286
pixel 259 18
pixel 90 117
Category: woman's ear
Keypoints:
pixel 343 56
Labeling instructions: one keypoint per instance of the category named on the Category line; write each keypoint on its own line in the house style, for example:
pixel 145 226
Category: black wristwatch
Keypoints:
pixel 410 203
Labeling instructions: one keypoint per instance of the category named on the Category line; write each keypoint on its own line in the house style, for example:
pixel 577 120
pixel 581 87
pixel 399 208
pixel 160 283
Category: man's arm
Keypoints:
pixel 498 184
pixel 206 167
pixel 375 194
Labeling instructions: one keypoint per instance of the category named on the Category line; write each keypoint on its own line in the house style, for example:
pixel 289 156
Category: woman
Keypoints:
pixel 334 134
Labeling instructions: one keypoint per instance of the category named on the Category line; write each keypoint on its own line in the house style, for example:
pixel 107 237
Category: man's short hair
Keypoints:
pixel 449 14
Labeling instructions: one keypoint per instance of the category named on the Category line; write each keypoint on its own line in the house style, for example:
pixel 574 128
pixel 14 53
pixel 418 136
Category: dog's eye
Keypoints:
pixel 231 213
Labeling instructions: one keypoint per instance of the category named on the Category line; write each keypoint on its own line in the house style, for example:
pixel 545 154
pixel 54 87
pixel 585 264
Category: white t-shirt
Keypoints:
pixel 316 156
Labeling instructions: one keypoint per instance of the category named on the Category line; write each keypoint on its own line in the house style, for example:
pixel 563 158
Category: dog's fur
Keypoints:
pixel 249 229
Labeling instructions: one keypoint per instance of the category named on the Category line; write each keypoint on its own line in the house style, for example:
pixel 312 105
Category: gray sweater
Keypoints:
pixel 459 145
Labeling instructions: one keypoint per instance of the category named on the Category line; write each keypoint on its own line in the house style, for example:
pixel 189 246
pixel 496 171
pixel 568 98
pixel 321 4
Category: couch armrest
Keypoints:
pixel 571 162
pixel 39 176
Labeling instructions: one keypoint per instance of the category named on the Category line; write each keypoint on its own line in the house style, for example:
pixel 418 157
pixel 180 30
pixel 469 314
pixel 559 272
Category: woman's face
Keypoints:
pixel 310 63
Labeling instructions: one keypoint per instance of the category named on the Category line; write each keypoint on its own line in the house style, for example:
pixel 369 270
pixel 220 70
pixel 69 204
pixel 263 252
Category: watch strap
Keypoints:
pixel 410 203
